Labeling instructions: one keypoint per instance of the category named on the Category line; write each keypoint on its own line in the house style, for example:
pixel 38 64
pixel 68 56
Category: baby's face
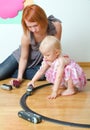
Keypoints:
pixel 50 56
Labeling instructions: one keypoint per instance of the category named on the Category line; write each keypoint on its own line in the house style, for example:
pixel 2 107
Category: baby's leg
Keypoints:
pixel 61 89
pixel 70 88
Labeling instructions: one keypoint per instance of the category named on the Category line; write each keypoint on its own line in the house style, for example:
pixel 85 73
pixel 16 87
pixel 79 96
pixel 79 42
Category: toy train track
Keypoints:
pixel 36 117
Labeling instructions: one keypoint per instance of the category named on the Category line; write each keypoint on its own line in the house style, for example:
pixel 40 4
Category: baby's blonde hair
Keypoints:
pixel 50 43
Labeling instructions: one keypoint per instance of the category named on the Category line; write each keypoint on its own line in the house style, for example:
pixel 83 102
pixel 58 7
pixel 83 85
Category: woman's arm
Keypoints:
pixel 25 43
pixel 58 27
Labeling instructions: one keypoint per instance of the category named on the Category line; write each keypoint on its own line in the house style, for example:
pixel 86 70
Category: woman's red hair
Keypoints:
pixel 34 13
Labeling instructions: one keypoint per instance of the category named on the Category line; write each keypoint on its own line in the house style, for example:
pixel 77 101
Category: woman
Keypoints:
pixel 26 60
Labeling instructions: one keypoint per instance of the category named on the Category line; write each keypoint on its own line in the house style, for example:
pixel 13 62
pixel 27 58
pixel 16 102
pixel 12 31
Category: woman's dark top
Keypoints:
pixel 35 57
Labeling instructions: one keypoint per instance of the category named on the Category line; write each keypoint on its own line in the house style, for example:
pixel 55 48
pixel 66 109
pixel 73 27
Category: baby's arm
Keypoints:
pixel 39 73
pixel 60 71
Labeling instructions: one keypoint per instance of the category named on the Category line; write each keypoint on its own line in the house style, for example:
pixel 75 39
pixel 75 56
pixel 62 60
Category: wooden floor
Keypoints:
pixel 74 108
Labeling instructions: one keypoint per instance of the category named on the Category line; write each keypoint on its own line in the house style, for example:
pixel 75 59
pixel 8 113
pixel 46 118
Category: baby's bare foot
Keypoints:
pixel 60 90
pixel 68 92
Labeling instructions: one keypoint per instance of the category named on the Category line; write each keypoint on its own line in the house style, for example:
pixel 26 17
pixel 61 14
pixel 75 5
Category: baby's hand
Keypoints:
pixel 31 83
pixel 53 95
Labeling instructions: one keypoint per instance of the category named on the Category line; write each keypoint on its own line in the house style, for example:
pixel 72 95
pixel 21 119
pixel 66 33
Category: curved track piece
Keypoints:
pixel 26 108
pixel 88 79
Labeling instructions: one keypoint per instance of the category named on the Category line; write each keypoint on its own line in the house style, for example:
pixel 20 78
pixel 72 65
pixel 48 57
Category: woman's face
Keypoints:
pixel 33 26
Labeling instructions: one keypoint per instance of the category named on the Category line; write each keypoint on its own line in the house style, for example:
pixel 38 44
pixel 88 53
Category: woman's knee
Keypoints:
pixel 7 67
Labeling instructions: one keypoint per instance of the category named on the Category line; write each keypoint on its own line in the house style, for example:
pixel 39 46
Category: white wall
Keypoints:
pixel 10 38
pixel 75 17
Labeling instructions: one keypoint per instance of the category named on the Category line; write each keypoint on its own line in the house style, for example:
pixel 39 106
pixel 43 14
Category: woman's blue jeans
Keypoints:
pixel 9 68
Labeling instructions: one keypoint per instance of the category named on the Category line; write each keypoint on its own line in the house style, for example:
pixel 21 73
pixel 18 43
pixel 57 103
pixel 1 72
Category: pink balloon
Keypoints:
pixel 10 8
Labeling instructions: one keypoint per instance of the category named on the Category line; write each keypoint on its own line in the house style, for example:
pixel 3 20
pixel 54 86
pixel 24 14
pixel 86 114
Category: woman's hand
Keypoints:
pixel 15 82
